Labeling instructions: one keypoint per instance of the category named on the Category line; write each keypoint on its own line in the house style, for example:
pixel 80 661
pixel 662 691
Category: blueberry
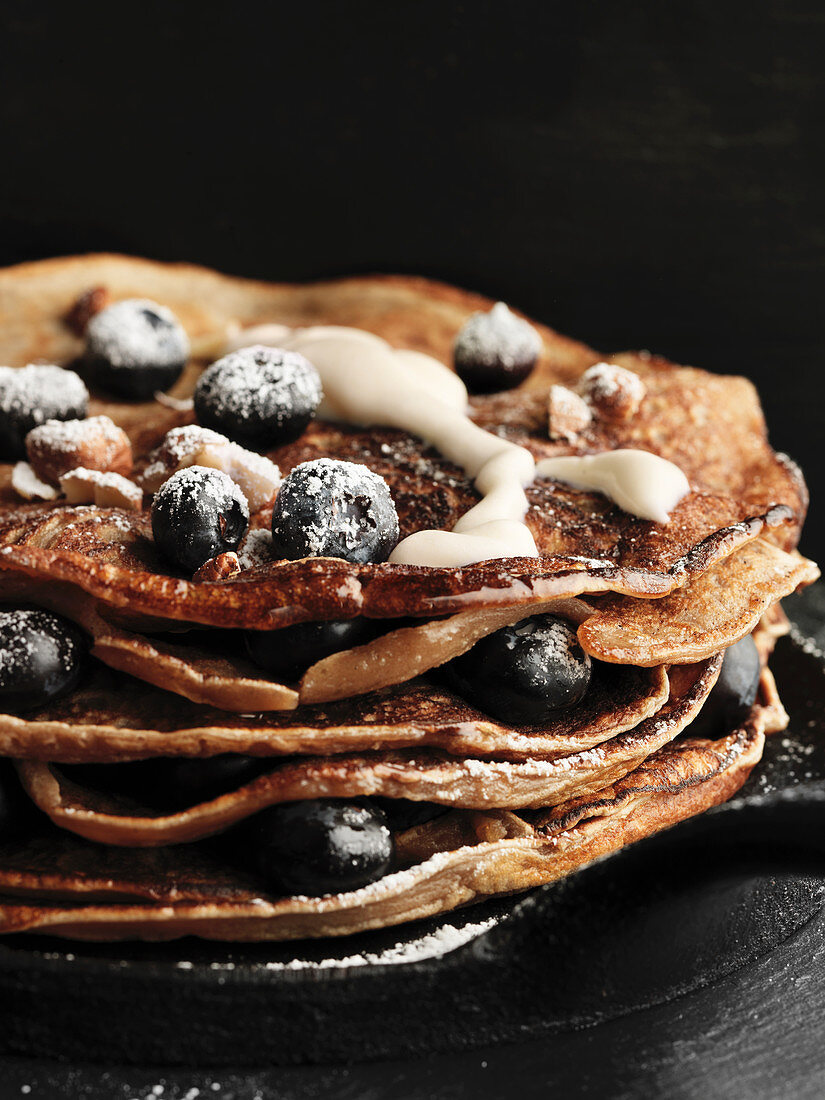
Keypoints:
pixel 495 350
pixel 326 846
pixel 733 694
pixel 41 658
pixel 286 654
pixel 523 673
pixel 32 395
pixel 258 396
pixel 135 347
pixel 333 509
pixel 196 514
pixel 404 813
pixel 171 782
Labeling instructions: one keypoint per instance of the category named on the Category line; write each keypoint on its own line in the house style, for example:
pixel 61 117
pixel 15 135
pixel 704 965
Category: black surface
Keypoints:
pixel 641 174
pixel 690 965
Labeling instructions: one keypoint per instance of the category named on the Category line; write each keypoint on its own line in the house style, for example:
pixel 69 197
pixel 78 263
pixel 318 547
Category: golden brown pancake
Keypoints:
pixel 682 780
pixel 656 604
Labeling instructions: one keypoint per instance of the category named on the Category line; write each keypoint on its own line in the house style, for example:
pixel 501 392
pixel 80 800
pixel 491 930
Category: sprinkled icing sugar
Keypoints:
pixel 181 442
pixel 22 638
pixel 65 436
pixel 259 383
pixel 137 332
pixel 256 475
pixel 256 549
pixel 41 393
pixel 103 478
pixel 604 383
pixel 497 337
pixel 433 945
pixel 558 640
pixel 178 445
pixel 202 485
pixel 347 492
pixel 568 413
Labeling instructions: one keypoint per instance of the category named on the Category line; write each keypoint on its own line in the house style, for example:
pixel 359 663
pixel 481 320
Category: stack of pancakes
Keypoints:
pixel 655 605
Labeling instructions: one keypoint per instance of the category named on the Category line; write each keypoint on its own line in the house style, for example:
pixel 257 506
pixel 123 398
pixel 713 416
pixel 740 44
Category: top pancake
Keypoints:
pixel 711 426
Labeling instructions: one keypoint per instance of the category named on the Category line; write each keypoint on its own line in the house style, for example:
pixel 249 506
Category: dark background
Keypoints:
pixel 638 174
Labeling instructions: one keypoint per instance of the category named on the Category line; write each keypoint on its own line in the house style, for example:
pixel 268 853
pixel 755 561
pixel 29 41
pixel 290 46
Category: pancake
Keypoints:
pixel 420 775
pixel 111 718
pixel 711 426
pixel 711 612
pixel 656 605
pixel 680 781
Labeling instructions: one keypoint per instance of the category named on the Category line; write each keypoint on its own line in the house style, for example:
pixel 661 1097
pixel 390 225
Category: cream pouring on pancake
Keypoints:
pixel 368 382
pixel 641 483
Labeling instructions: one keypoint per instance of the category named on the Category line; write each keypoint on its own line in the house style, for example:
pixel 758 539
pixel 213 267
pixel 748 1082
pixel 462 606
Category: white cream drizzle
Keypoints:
pixel 641 483
pixel 368 382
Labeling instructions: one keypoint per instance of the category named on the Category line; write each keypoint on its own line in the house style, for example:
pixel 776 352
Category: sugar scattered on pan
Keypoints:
pixel 432 945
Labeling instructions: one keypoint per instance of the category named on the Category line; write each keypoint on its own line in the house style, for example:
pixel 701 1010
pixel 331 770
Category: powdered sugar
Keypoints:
pixel 40 393
pixel 202 486
pixel 23 635
pixel 334 508
pixel 490 770
pixel 179 443
pixel 65 436
pixel 258 385
pixel 102 489
pixel 103 478
pixel 137 332
pixel 497 337
pixel 256 549
pixel 615 392
pixel 432 945
pixel 178 446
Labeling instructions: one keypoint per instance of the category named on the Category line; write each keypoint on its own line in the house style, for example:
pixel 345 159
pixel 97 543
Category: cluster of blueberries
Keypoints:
pixel 261 398
pixel 264 397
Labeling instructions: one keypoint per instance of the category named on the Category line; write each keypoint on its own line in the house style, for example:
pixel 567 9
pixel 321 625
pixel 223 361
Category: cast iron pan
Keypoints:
pixel 712 917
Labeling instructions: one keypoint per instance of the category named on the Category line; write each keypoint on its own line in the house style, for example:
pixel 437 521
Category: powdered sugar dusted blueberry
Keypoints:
pixel 259 396
pixel 41 658
pixel 197 514
pixel 319 847
pixel 495 350
pixel 330 508
pixel 524 672
pixel 30 396
pixel 136 347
